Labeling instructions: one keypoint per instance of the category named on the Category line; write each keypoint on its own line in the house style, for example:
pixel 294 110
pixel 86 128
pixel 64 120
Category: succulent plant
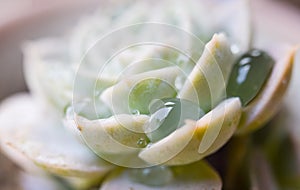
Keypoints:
pixel 143 106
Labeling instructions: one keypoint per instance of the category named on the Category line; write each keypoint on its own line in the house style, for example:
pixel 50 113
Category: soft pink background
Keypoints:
pixel 30 19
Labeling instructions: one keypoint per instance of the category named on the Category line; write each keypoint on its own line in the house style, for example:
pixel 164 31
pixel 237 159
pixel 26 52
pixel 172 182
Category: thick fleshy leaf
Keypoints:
pixel 117 139
pixel 197 176
pixel 35 133
pixel 231 16
pixel 117 96
pixel 29 181
pixel 139 59
pixel 196 140
pixel 210 75
pixel 48 72
pixel 249 74
pixel 267 103
pixel 168 115
pixel 37 182
pixel 53 80
pixel 109 134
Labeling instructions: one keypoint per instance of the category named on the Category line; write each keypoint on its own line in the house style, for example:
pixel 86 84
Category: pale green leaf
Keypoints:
pixel 197 176
pixel 40 138
pixel 196 139
pixel 206 83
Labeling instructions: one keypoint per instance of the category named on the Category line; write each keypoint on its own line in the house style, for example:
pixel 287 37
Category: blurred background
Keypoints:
pixel 28 20
pixel 31 19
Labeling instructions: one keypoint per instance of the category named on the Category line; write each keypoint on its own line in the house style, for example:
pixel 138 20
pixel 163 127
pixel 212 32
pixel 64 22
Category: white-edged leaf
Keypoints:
pixel 29 181
pixel 210 75
pixel 269 100
pixel 197 176
pixel 36 134
pixel 116 97
pixel 37 182
pixel 115 139
pixel 196 140
pixel 48 72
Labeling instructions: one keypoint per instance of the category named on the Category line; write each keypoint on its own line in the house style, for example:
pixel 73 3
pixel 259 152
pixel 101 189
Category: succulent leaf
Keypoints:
pixel 44 141
pixel 116 97
pixel 210 75
pixel 196 139
pixel 194 176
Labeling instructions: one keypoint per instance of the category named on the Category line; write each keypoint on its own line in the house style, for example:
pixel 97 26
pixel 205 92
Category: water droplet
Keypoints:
pixel 169 104
pixel 155 105
pixel 256 53
pixel 142 143
pixel 149 145
pixel 144 92
pixel 172 115
pixel 242 75
pixel 135 112
pixel 157 119
pixel 245 61
pixel 152 176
